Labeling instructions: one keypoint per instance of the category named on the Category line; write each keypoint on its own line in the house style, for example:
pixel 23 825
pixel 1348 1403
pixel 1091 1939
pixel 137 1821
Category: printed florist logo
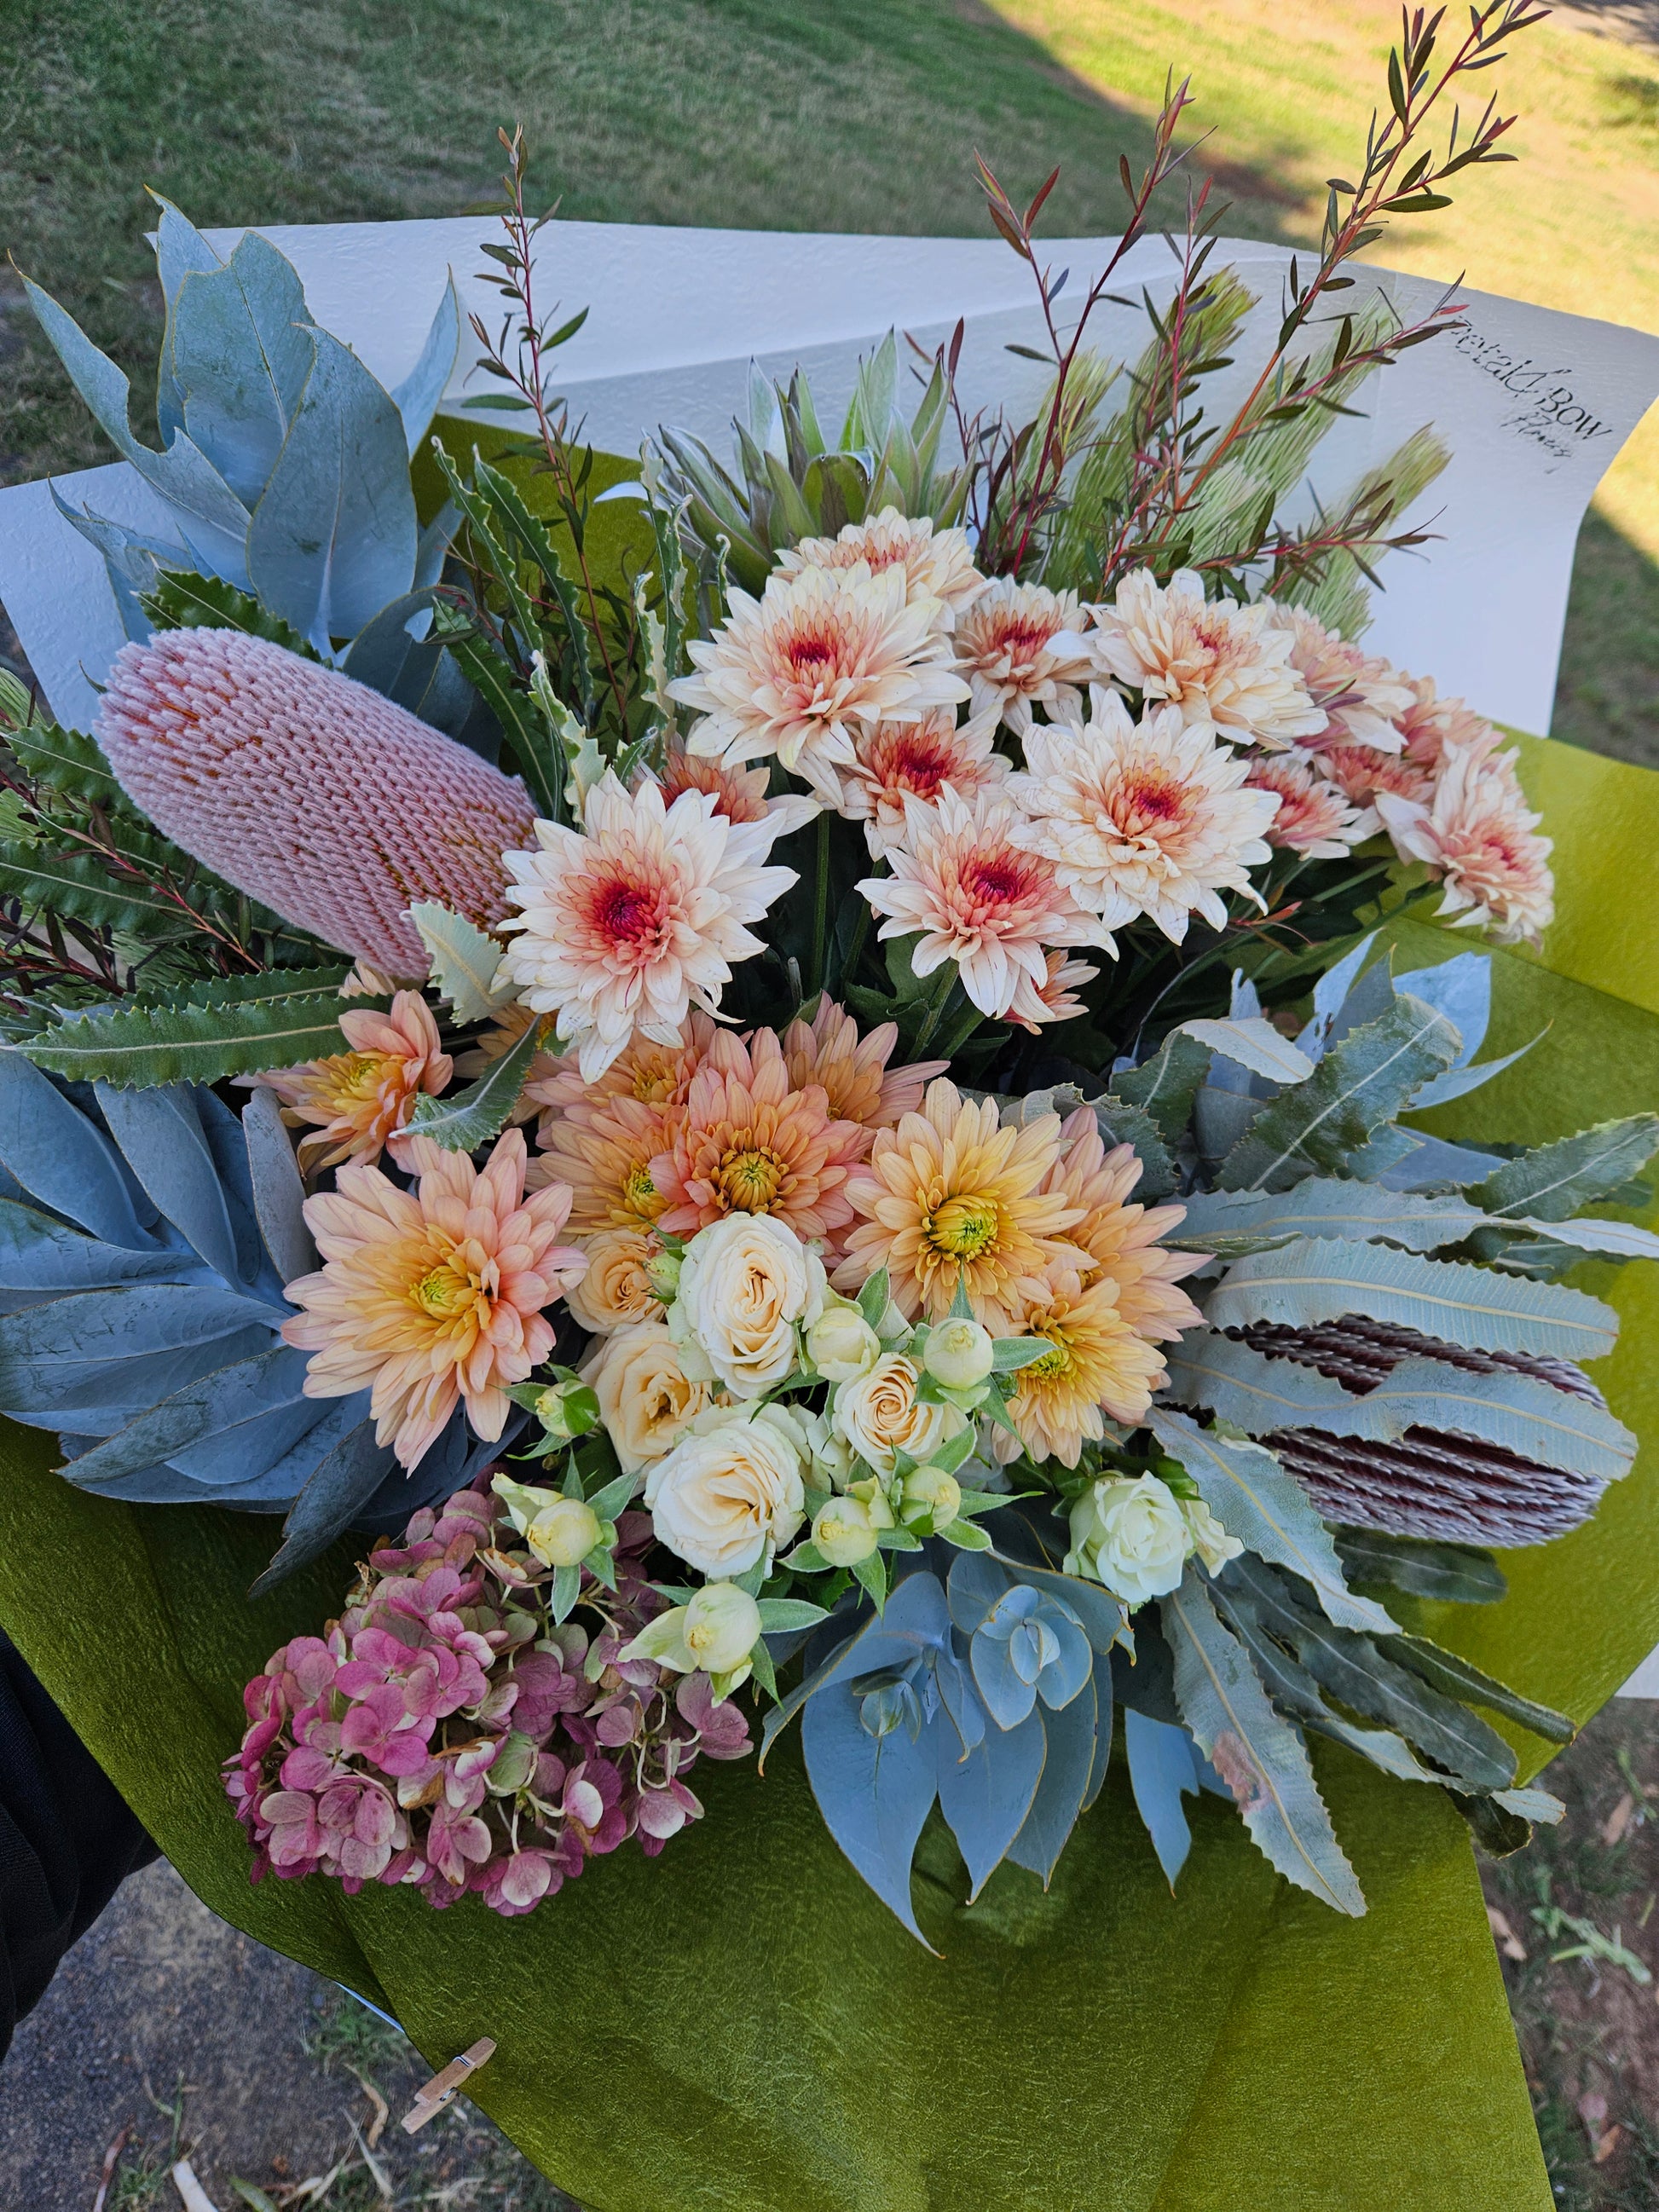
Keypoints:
pixel 1549 413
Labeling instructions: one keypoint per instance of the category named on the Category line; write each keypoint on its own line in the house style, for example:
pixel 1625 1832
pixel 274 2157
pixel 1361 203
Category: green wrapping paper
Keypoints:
pixel 741 2025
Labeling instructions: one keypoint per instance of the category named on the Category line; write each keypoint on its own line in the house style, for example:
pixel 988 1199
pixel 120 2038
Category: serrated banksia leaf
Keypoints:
pixel 308 791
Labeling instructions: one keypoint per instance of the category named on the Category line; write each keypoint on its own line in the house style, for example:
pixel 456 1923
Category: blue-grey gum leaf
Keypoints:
pixel 221 1399
pixel 1070 1740
pixel 334 537
pixel 240 356
pixel 1461 989
pixel 875 1793
pixel 1162 1767
pixel 279 1193
pixel 340 1485
pixel 987 1797
pixel 38 1253
pixel 225 1141
pixel 160 1134
pixel 418 395
pixel 63 1159
pixel 118 1351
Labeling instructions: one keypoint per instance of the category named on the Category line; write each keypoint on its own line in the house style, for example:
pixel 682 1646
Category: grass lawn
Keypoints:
pixel 862 116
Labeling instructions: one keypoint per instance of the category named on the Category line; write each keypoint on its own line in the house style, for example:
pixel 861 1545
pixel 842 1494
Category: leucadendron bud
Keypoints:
pixel 959 1353
pixel 929 1493
pixel 564 1532
pixel 721 1627
pixel 843 1532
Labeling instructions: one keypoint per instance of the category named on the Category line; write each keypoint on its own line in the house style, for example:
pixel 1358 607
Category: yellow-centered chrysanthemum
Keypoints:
pixel 949 1197
pixel 1098 1363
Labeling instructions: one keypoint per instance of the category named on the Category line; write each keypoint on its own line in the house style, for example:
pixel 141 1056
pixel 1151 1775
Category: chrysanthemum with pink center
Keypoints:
pixel 621 929
pixel 1227 669
pixel 1019 646
pixel 823 654
pixel 1151 817
pixel 937 564
pixel 977 896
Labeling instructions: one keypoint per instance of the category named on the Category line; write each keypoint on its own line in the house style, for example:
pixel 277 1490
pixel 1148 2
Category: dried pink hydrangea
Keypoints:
pixel 446 1733
pixel 308 791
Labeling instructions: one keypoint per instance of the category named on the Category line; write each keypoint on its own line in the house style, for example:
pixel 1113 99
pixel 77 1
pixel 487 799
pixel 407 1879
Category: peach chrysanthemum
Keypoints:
pixel 821 654
pixel 1120 1237
pixel 430 1297
pixel 1226 668
pixel 623 928
pixel 949 1197
pixel 356 1102
pixel 655 1074
pixel 964 880
pixel 918 758
pixel 1362 694
pixel 605 1158
pixel 1151 817
pixel 1098 1363
pixel 937 564
pixel 738 794
pixel 852 1071
pixel 1018 646
pixel 1477 834
pixel 747 1143
pixel 1033 1005
pixel 1313 817
pixel 308 791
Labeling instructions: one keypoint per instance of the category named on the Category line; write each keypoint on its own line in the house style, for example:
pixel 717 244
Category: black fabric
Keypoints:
pixel 67 1841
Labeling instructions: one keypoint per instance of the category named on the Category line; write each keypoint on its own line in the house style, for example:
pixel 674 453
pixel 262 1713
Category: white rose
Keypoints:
pixel 563 1533
pixel 879 1414
pixel 617 1288
pixel 746 1285
pixel 646 1400
pixel 722 1626
pixel 730 1493
pixel 842 1344
pixel 1131 1536
pixel 1210 1538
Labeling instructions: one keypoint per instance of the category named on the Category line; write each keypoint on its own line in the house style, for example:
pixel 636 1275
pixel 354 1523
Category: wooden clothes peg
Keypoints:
pixel 433 2095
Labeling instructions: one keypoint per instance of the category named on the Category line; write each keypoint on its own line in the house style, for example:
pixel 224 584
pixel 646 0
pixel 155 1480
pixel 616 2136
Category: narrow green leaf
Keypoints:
pixel 1256 1500
pixel 1552 1182
pixel 469 1118
pixel 1461 1574
pixel 1359 1085
pixel 145 1045
pixel 1257 1752
pixel 1461 1678
pixel 68 760
pixel 77 887
pixel 1165 1086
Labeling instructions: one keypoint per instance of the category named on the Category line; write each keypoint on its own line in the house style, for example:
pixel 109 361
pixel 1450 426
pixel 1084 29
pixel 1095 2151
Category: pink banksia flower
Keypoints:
pixel 308 791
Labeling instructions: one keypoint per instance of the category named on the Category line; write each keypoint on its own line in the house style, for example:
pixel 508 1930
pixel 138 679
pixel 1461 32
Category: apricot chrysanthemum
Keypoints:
pixel 1478 834
pixel 655 1074
pixel 1121 1238
pixel 949 1197
pixel 738 794
pixel 604 1157
pixel 356 1103
pixel 1314 816
pixel 1096 1364
pixel 917 759
pixel 432 1296
pixel 853 1070
pixel 747 1143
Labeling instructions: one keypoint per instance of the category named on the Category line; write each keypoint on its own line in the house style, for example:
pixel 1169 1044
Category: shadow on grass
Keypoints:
pixel 1607 696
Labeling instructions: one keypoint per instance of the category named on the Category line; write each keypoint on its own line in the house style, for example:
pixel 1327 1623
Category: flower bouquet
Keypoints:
pixel 773 1093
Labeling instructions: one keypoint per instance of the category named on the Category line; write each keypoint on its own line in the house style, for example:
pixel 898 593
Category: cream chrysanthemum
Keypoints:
pixel 431 1296
pixel 896 760
pixel 852 1071
pixel 1314 816
pixel 1477 834
pixel 623 928
pixel 1019 646
pixel 746 1143
pixel 978 896
pixel 821 654
pixel 951 1198
pixel 1363 694
pixel 1226 668
pixel 1360 772
pixel 1151 817
pixel 356 1102
pixel 937 564
pixel 1432 728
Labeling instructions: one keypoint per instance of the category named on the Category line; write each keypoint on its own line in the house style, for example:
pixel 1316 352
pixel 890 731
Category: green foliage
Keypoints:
pixel 466 1119
pixel 183 600
pixel 145 1045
